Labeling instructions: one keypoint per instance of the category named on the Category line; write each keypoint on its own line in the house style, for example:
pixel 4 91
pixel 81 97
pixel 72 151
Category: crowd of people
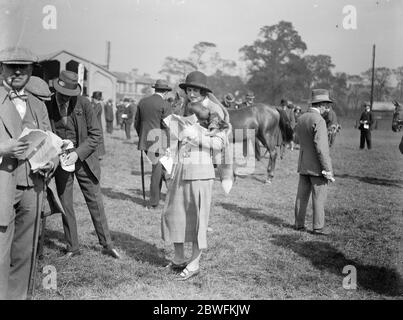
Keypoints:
pixel 26 102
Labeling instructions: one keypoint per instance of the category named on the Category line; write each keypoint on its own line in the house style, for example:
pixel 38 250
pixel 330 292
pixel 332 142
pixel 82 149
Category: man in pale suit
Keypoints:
pixel 21 190
pixel 314 164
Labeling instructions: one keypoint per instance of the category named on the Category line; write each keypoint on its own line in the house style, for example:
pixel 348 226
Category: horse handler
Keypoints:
pixel 314 164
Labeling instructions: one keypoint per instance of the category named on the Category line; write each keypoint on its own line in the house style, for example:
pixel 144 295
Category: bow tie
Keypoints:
pixel 14 95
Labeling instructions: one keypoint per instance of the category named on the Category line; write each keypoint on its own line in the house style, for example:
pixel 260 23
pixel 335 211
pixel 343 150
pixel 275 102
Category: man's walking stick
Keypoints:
pixel 142 175
pixel 34 260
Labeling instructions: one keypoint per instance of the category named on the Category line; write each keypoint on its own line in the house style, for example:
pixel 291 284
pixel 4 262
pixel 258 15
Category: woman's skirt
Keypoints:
pixel 187 209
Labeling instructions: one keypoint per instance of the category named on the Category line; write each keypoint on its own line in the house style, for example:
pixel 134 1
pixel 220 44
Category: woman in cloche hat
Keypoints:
pixel 186 213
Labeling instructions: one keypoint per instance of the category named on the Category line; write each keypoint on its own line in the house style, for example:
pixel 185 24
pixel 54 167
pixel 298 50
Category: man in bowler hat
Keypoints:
pixel 108 111
pixel 314 164
pixel 21 189
pixel 96 101
pixel 72 118
pixel 150 114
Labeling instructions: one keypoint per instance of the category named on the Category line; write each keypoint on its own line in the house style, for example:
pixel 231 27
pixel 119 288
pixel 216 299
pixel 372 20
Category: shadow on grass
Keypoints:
pixel 372 180
pixel 323 256
pixel 138 173
pixel 139 249
pixel 139 192
pixel 110 193
pixel 50 236
pixel 253 213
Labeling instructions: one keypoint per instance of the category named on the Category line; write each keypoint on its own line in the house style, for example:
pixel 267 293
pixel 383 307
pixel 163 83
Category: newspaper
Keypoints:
pixel 43 147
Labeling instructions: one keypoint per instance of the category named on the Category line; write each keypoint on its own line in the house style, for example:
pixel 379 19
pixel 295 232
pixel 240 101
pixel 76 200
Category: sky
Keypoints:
pixel 144 32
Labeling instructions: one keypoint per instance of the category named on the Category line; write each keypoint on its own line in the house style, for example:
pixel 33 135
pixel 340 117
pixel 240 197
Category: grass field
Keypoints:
pixel 253 252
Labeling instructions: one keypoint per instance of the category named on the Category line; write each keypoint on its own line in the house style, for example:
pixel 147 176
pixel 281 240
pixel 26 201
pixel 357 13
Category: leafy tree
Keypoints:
pixel 223 83
pixel 320 70
pixel 177 69
pixel 381 78
pixel 276 52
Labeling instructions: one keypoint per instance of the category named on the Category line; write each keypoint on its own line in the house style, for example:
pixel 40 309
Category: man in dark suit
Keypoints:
pixel 96 102
pixel 127 116
pixel 21 189
pixel 73 118
pixel 314 164
pixel 365 127
pixel 108 111
pixel 149 117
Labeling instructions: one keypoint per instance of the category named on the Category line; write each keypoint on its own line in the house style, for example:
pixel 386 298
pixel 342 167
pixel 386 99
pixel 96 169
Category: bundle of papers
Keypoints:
pixel 43 147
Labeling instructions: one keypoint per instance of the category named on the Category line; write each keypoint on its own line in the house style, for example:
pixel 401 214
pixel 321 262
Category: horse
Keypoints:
pixel 269 124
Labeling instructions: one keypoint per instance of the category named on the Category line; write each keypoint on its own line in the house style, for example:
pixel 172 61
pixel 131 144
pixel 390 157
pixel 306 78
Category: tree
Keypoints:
pixel 204 57
pixel 320 70
pixel 177 68
pixel 270 58
pixel 223 83
pixel 398 94
pixel 381 78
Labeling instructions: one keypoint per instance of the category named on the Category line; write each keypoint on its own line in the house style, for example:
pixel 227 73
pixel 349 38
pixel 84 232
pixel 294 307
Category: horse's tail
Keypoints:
pixel 285 127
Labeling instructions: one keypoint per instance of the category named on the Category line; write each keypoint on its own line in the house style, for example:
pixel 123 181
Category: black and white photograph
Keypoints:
pixel 219 151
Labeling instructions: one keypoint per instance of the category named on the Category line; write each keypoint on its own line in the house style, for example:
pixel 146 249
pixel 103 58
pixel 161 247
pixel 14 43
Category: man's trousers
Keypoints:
pixel 127 126
pixel 91 190
pixel 318 187
pixel 365 137
pixel 16 244
pixel 109 126
pixel 157 176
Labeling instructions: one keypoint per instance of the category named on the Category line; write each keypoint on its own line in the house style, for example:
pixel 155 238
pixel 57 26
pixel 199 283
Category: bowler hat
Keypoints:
pixel 229 98
pixel 67 83
pixel 162 84
pixel 250 94
pixel 17 55
pixel 195 79
pixel 97 95
pixel 320 95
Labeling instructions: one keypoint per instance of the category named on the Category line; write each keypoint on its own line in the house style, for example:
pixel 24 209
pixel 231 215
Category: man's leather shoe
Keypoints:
pixel 320 232
pixel 299 228
pixel 111 252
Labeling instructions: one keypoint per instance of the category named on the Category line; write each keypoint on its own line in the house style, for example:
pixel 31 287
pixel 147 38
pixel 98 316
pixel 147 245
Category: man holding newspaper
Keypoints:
pixel 21 188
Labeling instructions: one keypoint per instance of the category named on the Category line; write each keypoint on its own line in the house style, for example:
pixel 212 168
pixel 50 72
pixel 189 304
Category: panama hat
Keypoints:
pixel 161 85
pixel 17 55
pixel 195 79
pixel 67 83
pixel 320 95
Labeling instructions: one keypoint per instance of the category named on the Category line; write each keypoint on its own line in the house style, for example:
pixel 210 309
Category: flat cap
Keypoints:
pixel 17 55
